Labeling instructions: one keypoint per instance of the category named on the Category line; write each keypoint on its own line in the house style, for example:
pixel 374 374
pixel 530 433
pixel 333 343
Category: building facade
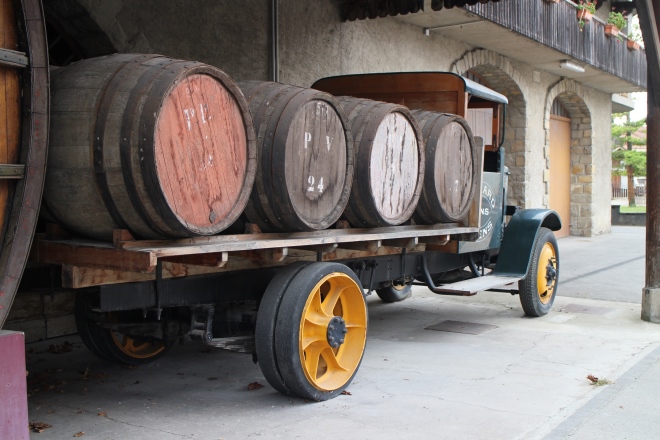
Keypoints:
pixel 519 48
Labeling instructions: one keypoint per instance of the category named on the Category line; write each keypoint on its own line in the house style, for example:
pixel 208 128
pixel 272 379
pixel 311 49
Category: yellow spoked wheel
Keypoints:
pixel 312 346
pixel 538 290
pixel 137 348
pixel 333 332
pixel 546 278
pixel 110 344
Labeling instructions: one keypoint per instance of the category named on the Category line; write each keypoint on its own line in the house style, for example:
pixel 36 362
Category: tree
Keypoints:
pixel 633 163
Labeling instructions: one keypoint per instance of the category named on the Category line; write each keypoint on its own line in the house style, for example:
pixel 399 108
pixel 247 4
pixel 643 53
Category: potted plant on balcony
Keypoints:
pixel 634 36
pixel 585 9
pixel 615 23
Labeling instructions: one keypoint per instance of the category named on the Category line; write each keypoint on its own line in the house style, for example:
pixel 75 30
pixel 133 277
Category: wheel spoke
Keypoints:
pixel 312 357
pixel 333 363
pixel 313 332
pixel 331 299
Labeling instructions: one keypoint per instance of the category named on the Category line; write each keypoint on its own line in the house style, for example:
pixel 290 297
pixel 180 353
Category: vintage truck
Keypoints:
pixel 295 298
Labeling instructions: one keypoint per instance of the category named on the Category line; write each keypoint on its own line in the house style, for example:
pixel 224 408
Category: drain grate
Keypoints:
pixel 587 310
pixel 469 328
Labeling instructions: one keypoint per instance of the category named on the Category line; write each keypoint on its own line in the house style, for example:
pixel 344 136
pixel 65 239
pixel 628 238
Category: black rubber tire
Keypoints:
pixel 287 330
pixel 87 329
pixel 265 327
pixel 392 293
pixel 528 290
pixel 100 341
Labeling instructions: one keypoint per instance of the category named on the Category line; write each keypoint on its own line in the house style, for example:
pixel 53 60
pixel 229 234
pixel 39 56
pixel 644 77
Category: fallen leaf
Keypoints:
pixel 79 434
pixel 39 426
pixel 179 374
pixel 211 378
pixel 59 349
pixel 80 411
pixel 51 411
pixel 592 378
pixel 102 414
pixel 346 393
pixel 254 386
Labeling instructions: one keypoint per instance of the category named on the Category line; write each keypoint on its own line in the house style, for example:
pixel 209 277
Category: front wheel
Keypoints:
pixel 539 288
pixel 319 333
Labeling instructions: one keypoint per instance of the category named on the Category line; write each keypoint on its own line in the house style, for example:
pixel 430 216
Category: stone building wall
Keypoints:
pixel 314 43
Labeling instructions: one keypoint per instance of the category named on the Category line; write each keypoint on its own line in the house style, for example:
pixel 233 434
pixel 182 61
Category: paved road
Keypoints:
pixel 606 267
pixel 523 379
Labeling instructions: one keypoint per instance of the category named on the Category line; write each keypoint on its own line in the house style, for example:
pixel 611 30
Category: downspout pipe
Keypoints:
pixel 274 55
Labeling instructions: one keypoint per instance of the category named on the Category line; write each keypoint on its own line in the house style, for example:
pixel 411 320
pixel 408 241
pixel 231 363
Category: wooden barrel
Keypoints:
pixel 450 178
pixel 305 158
pixel 158 146
pixel 389 166
pixel 24 100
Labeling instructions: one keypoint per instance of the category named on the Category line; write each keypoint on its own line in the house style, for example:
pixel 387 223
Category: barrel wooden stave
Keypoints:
pixel 134 131
pixel 305 158
pixel 450 178
pixel 389 166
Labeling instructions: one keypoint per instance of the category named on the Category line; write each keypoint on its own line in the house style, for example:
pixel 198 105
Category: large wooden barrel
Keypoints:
pixel 24 100
pixel 450 178
pixel 389 166
pixel 305 152
pixel 158 146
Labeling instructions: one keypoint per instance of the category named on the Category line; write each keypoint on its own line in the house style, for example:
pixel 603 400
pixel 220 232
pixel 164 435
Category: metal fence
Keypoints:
pixel 618 192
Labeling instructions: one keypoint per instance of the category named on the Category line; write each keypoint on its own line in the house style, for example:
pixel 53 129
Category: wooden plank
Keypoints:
pixel 77 277
pixel 106 257
pixel 406 243
pixel 241 242
pixel 438 241
pixel 277 254
pixel 368 246
pixel 218 259
pixel 450 247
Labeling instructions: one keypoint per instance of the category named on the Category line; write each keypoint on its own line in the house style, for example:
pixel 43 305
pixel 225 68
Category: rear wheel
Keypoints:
pixel 395 292
pixel 539 289
pixel 319 333
pixel 95 329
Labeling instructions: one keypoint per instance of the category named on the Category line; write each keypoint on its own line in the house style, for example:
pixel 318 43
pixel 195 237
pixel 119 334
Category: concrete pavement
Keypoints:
pixel 523 379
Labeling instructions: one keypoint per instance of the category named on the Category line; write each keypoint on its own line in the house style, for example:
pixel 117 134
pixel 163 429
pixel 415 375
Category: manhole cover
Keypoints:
pixel 587 310
pixel 469 328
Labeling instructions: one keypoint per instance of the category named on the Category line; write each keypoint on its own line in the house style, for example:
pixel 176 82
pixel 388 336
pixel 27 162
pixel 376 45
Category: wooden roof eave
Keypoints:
pixel 362 9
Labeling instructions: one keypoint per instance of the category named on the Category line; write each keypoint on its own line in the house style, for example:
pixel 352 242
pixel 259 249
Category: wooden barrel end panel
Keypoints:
pixel 318 164
pixel 306 160
pixel 450 178
pixel 390 163
pixel 205 153
pixel 168 146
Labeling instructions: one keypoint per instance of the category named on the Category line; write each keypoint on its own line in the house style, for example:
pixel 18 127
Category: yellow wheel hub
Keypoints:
pixel 547 273
pixel 334 307
pixel 135 348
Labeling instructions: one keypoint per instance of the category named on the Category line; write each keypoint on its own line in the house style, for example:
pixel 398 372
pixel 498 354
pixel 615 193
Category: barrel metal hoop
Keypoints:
pixel 132 107
pixel 102 111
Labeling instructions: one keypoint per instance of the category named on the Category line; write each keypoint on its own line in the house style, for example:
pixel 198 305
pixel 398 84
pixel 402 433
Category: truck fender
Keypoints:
pixel 519 237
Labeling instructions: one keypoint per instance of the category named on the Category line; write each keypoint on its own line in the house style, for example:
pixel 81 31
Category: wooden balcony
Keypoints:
pixel 555 25
pixel 542 35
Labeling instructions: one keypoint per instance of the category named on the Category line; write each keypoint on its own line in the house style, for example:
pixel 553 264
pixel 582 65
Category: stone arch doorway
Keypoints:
pixel 559 182
pixel 569 96
pixel 497 73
